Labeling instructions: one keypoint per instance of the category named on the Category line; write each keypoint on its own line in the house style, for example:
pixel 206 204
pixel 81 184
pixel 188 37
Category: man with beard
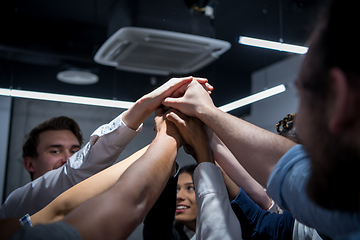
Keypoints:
pixel 316 181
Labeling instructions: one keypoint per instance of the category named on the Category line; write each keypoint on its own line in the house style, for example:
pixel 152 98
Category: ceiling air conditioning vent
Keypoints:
pixel 159 52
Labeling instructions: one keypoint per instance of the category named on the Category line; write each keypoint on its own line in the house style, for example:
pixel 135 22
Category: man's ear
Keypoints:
pixel 342 108
pixel 28 164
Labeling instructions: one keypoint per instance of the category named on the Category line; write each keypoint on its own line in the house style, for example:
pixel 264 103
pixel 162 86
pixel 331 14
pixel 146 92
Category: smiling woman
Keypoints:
pixel 186 208
pixel 174 214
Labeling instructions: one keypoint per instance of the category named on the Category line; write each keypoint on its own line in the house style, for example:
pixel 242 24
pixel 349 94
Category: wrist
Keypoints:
pixel 204 153
pixel 164 136
pixel 136 115
pixel 206 112
pixel 144 104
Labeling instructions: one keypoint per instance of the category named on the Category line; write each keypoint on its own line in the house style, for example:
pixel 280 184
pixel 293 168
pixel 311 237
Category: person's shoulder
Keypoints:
pixel 297 150
pixel 17 193
pixel 297 155
pixel 12 202
pixel 16 197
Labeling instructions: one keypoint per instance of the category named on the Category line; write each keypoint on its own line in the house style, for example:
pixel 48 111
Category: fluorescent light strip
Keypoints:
pixel 124 104
pixel 273 45
pixel 253 98
pixel 66 98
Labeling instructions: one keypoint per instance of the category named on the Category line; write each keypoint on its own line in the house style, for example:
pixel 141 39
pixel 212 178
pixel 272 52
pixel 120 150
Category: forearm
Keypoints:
pixel 238 175
pixel 137 114
pixel 203 152
pixel 256 149
pixel 83 191
pixel 105 145
pixel 125 205
pixel 242 179
pixel 231 187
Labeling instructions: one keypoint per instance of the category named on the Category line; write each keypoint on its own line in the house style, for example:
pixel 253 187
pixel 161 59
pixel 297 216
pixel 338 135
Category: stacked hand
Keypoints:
pixel 147 104
pixel 194 134
pixel 175 87
pixel 166 128
pixel 190 96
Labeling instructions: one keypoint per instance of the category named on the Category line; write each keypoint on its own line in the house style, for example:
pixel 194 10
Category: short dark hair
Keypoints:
pixel 336 45
pixel 56 123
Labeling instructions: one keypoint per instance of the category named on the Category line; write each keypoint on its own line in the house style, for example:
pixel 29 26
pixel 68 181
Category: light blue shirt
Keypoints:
pixel 287 187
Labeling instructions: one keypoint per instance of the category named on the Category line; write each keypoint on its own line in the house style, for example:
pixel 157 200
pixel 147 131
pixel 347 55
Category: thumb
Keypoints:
pixel 171 102
pixel 174 118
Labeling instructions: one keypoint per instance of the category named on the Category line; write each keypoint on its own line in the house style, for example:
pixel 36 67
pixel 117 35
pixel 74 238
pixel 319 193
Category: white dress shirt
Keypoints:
pixel 95 156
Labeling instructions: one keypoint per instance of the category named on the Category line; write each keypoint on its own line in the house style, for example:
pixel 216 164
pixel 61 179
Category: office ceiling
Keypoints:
pixel 39 38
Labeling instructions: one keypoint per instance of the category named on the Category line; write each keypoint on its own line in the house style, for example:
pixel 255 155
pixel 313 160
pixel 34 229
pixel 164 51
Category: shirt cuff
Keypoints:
pixel 25 220
pixel 113 125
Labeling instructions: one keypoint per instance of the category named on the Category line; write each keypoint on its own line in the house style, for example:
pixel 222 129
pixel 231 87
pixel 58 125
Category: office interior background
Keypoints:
pixel 40 39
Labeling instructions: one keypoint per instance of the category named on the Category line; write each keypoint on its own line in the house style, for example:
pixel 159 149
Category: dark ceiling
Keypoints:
pixel 39 38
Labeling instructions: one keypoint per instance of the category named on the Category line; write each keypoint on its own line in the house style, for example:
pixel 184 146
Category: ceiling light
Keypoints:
pixel 77 77
pixel 65 98
pixel 124 104
pixel 253 98
pixel 272 45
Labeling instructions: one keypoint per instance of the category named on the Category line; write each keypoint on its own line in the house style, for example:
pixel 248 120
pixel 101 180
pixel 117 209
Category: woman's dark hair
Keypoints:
pixel 188 169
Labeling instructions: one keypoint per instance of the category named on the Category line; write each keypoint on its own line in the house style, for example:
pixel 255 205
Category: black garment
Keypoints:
pixel 179 233
pixel 158 223
pixel 57 231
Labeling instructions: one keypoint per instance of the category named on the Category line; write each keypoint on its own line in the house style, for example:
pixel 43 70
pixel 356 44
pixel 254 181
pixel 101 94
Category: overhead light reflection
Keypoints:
pixel 124 104
pixel 253 98
pixel 65 98
pixel 273 45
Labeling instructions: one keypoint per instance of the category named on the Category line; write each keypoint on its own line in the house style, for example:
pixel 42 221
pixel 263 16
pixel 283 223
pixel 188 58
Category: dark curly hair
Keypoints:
pixel 286 127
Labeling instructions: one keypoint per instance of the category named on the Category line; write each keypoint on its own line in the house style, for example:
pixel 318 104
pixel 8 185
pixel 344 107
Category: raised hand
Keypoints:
pixel 180 91
pixel 154 99
pixel 193 102
pixel 147 104
pixel 166 128
pixel 194 133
